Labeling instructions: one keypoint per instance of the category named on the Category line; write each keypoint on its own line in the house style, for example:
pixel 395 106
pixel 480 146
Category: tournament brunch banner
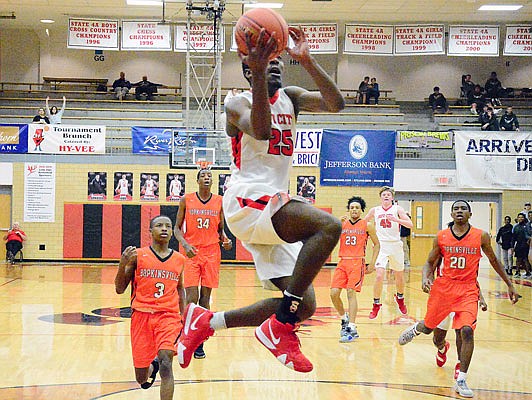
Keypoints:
pixel 518 40
pixel 357 158
pixel 425 139
pixel 13 138
pixel 473 41
pixel 99 34
pixel 419 39
pixel 376 40
pixel 146 35
pixel 201 38
pixel 307 148
pixel 66 139
pixel 494 160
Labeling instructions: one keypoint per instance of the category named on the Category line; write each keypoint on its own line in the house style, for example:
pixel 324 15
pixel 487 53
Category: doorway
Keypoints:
pixel 5 216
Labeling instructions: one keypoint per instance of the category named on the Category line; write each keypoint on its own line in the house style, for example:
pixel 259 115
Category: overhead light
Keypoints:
pixel 47 21
pixel 264 5
pixel 501 7
pixel 144 2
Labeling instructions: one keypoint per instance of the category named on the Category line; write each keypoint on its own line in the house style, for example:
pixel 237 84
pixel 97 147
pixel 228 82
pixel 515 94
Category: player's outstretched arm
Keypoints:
pixel 126 269
pixel 497 266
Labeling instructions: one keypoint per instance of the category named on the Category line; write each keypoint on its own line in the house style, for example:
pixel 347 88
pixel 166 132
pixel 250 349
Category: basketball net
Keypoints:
pixel 203 164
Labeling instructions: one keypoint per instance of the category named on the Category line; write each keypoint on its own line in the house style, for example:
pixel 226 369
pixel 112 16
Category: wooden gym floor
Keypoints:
pixel 64 333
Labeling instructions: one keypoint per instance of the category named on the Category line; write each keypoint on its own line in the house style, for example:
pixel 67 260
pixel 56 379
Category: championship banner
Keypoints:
pixel 39 192
pixel 158 141
pixel 357 158
pixel 473 41
pixel 307 148
pixel 414 40
pixel 375 40
pixel 321 38
pixel 145 35
pixel 101 34
pixel 425 139
pixel 13 138
pixel 494 160
pixel 66 139
pixel 518 40
pixel 201 38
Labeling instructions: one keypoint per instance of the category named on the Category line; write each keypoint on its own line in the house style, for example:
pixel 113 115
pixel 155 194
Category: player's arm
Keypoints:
pixel 370 216
pixel 227 243
pixel 497 266
pixel 181 294
pixel 481 301
pixel 372 233
pixel 178 232
pixel 433 261
pixel 329 98
pixel 402 219
pixel 126 269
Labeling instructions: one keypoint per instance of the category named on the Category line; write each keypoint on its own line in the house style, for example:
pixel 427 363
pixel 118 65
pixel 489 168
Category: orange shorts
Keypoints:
pixel 349 274
pixel 151 332
pixel 446 296
pixel 204 267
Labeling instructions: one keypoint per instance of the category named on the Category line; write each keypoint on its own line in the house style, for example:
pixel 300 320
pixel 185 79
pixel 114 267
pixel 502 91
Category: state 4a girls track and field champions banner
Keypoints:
pixel 357 158
pixel 494 160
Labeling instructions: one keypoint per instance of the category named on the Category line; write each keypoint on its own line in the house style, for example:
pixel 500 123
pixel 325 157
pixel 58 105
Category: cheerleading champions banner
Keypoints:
pixel 494 160
pixel 66 139
pixel 357 158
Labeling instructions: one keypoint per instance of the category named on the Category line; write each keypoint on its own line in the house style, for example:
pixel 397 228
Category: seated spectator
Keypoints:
pixel 509 121
pixel 476 100
pixel 121 86
pixel 14 238
pixel 53 114
pixel 493 88
pixel 144 90
pixel 373 91
pixel 438 102
pixel 488 120
pixel 41 117
pixel 467 85
pixel 363 90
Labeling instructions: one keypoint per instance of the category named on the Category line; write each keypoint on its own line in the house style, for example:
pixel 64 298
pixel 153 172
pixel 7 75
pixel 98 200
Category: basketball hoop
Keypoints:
pixel 202 164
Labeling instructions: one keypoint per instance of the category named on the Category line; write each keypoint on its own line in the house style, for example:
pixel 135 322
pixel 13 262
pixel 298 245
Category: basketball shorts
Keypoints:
pixel 151 332
pixel 204 268
pixel 248 211
pixel 391 253
pixel 349 274
pixel 446 296
pixel 445 325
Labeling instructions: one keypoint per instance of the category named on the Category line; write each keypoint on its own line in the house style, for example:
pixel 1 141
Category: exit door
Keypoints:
pixel 5 221
pixel 426 219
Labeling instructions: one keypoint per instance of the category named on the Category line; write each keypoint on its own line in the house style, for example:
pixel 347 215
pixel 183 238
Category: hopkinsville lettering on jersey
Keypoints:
pixel 212 213
pixel 461 249
pixel 158 274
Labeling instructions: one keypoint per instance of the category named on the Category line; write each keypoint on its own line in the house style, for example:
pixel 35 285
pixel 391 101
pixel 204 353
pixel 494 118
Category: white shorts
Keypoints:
pixel 445 325
pixel 248 211
pixel 391 252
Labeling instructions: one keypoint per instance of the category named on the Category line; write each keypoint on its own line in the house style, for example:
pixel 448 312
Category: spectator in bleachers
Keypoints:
pixel 438 102
pixel 467 85
pixel 493 88
pixel 520 244
pixel 363 90
pixel 527 207
pixel 476 100
pixel 373 91
pixel 488 120
pixel 144 90
pixel 509 121
pixel 53 114
pixel 41 117
pixel 121 86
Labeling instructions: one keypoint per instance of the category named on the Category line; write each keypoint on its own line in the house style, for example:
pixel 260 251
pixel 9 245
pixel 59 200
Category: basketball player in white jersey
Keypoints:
pixel 122 188
pixel 388 218
pixel 175 187
pixel 288 238
pixel 150 186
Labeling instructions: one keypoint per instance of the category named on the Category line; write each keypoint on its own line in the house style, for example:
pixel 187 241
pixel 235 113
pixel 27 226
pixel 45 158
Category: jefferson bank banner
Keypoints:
pixel 357 158
pixel 66 139
pixel 494 160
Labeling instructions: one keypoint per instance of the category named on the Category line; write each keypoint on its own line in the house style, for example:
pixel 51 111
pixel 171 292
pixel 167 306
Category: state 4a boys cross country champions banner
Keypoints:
pixel 357 158
pixel 494 160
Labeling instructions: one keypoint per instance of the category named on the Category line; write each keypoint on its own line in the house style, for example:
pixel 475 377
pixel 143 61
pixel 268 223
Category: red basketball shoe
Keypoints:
pixel 441 358
pixel 375 311
pixel 401 305
pixel 196 330
pixel 283 343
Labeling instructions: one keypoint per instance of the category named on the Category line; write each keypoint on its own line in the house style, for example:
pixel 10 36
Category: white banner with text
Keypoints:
pixel 376 40
pixel 146 35
pixel 473 41
pixel 66 139
pixel 101 34
pixel 39 192
pixel 201 38
pixel 518 40
pixel 414 40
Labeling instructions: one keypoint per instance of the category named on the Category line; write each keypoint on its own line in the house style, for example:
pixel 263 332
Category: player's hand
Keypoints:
pixel 344 218
pixel 392 218
pixel 129 255
pixel 512 294
pixel 227 244
pixel 300 52
pixel 483 305
pixel 370 268
pixel 258 57
pixel 426 284
pixel 191 251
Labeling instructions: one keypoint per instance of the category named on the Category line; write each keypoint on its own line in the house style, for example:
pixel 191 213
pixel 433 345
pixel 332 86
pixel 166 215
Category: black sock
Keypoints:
pixel 400 295
pixel 288 308
pixel 377 301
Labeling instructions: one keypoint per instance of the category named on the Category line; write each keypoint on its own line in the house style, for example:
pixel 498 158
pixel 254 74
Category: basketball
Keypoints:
pixel 253 21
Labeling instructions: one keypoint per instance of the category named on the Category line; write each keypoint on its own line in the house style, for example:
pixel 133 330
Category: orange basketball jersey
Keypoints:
pixel 156 280
pixel 353 239
pixel 202 220
pixel 461 256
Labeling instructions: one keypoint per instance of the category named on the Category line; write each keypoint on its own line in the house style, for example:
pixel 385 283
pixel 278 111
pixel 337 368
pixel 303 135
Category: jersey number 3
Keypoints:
pixel 281 143
pixel 160 290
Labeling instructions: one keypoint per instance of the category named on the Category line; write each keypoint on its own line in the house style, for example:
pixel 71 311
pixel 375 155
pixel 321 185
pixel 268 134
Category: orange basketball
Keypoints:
pixel 253 21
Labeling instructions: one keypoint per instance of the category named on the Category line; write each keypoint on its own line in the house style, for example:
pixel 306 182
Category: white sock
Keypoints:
pixel 462 376
pixel 218 321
